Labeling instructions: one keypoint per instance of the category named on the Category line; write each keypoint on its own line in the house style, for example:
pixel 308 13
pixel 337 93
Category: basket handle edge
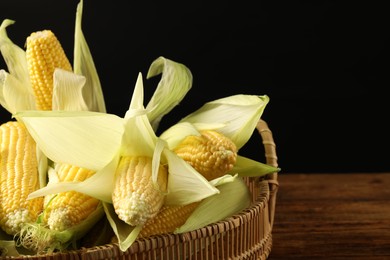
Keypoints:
pixel 271 159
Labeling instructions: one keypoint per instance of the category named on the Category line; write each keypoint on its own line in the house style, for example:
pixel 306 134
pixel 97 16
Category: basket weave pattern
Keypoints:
pixel 246 235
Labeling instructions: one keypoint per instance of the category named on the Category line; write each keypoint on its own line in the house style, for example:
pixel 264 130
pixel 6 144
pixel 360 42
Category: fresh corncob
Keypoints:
pixel 211 154
pixel 63 211
pixel 66 216
pixel 44 54
pixel 168 219
pixel 18 178
pixel 135 197
pixel 67 209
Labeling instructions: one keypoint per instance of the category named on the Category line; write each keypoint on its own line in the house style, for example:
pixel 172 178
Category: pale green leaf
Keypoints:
pixel 86 139
pixel 137 99
pixel 125 233
pixel 53 178
pixel 237 114
pixel 14 56
pixel 14 96
pixel 234 196
pixel 185 184
pixel 175 82
pixel 15 88
pixel 3 77
pixel 223 179
pixel 42 167
pixel 8 247
pixel 251 168
pixel 99 185
pixel 176 133
pixel 67 91
pixel 156 161
pixel 209 126
pixel 52 175
pixel 83 64
pixel 139 139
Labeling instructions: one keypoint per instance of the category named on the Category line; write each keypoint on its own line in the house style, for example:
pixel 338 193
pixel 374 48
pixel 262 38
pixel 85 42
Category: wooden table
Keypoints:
pixel 332 216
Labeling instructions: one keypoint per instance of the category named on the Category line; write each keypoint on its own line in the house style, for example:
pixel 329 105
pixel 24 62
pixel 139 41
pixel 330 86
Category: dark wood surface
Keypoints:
pixel 332 216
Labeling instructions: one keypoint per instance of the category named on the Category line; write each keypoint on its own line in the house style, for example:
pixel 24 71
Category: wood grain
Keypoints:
pixel 332 216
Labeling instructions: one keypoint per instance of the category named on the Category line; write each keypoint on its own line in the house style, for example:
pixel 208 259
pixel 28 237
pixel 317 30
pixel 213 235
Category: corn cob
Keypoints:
pixel 211 154
pixel 135 198
pixel 67 209
pixel 62 211
pixel 18 178
pixel 66 216
pixel 44 54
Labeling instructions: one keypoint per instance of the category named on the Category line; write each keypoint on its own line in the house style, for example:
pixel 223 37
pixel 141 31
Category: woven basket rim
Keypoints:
pixel 160 241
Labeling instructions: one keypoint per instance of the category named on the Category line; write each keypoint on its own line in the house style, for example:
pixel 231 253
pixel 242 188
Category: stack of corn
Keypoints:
pixel 66 209
pixel 19 174
pixel 49 222
pixel 19 158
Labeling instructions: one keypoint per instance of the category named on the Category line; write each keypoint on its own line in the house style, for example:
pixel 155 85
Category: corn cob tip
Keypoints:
pixel 14 220
pixel 131 211
pixel 60 219
pixel 135 196
pixel 67 209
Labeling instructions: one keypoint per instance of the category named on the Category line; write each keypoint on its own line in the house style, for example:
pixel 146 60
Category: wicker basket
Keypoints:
pixel 246 235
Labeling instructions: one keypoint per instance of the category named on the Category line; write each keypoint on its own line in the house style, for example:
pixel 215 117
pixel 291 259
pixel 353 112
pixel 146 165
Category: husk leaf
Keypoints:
pixel 83 138
pixel 237 114
pixel 185 184
pixel 15 88
pixel 67 91
pixel 175 82
pixel 83 64
pixel 14 56
pixel 250 168
pixel 233 197
pixel 176 133
pixel 13 94
pixel 125 233
pixel 8 248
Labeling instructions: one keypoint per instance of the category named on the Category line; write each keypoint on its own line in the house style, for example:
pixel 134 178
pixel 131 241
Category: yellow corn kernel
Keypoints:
pixel 67 209
pixel 211 154
pixel 44 54
pixel 168 219
pixel 18 178
pixel 135 197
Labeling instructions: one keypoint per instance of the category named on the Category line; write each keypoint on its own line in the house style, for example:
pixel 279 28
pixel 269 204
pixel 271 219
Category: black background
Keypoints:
pixel 324 65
